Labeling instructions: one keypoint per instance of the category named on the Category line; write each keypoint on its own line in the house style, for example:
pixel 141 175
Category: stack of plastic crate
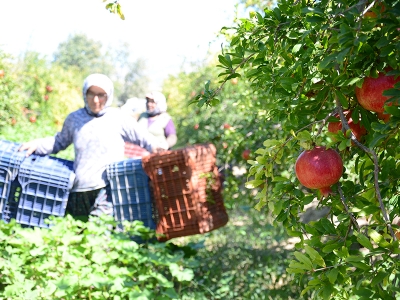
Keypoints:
pixel 187 191
pixel 130 192
pixel 41 191
pixel 10 161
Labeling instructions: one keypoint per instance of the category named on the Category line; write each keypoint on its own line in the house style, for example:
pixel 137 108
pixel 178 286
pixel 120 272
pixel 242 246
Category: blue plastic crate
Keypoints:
pixel 48 169
pixel 10 161
pixel 42 190
pixel 130 192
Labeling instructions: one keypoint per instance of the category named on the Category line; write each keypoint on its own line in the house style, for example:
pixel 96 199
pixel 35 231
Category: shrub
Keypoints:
pixel 75 259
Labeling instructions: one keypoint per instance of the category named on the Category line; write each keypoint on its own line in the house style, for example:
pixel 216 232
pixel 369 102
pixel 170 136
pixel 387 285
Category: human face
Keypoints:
pixel 150 104
pixel 96 98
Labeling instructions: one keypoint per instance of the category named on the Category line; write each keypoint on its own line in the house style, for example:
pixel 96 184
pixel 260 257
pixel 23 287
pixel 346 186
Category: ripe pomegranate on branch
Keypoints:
pixel 358 130
pixel 370 95
pixel 319 168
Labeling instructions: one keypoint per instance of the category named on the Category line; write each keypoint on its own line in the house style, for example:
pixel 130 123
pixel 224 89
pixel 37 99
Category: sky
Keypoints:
pixel 165 33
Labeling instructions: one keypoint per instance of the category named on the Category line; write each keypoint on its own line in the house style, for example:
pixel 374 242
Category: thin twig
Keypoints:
pixel 343 199
pixel 332 113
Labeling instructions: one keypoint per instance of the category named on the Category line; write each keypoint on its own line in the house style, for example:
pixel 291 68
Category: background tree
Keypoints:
pixel 135 82
pixel 11 100
pixel 83 53
pixel 129 75
pixel 88 56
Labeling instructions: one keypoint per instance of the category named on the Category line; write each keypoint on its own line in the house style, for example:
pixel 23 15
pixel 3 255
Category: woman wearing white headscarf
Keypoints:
pixel 158 122
pixel 98 132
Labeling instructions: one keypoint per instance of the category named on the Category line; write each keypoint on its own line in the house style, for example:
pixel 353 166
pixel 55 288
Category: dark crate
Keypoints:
pixel 10 161
pixel 187 191
pixel 42 190
pixel 130 192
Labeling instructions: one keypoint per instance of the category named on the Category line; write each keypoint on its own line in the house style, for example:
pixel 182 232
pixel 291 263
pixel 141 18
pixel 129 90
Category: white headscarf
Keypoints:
pixel 102 81
pixel 160 100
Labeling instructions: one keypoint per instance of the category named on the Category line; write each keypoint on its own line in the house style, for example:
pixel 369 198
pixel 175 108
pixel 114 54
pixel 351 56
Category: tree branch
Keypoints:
pixel 345 127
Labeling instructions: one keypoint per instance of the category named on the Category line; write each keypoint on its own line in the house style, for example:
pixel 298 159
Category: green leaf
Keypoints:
pixel 222 59
pixel 327 291
pixel 180 273
pixel 303 259
pixel 296 48
pixel 279 179
pixel 368 210
pixel 278 205
pixel 351 81
pixel 341 55
pixel 343 145
pixel 315 256
pixel 33 236
pixel 287 83
pixel 330 247
pixel 294 233
pixel 314 10
pixel 171 293
pixel 300 266
pixel 364 241
pixel 342 253
pixel 252 73
pixel 375 236
pixel 382 42
pixel 391 92
pixel 378 278
pixel 326 61
pixel 377 137
pixel 332 275
pixel 50 288
pixel 254 183
pixel 314 19
pixel 361 174
pixel 261 203
pixel 295 271
pixel 304 135
pixel 378 238
pixel 342 99
pixel 328 226
pixel 360 265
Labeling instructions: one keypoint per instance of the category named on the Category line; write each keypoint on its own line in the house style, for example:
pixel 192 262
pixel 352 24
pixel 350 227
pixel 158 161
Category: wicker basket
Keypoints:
pixel 187 191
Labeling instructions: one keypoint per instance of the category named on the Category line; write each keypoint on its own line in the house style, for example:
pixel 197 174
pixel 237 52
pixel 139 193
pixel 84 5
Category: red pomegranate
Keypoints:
pixel 357 129
pixel 246 154
pixel 319 168
pixel 370 94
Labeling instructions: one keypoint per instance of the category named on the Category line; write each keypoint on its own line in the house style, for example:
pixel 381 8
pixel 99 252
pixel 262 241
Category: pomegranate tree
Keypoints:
pixel 370 94
pixel 319 168
pixel 358 130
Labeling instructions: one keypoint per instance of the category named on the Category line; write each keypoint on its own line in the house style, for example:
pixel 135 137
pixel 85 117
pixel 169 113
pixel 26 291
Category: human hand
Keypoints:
pixel 29 146
pixel 159 150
